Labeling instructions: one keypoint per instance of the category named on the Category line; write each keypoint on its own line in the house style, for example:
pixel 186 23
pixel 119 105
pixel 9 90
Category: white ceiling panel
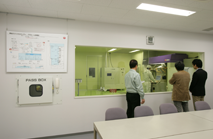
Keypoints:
pixel 172 5
pixel 178 2
pixel 113 12
pixel 96 2
pixel 204 15
pixel 123 4
pixel 57 5
pixel 44 4
pixel 21 3
pixel 3 8
pixel 94 10
pixel 207 5
pixel 70 6
pixel 103 11
pixel 30 11
pixel 150 23
pixel 77 16
pixel 117 21
pixel 175 20
pixel 144 15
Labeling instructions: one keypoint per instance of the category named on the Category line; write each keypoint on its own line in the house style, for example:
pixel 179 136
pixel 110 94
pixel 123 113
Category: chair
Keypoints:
pixel 115 113
pixel 142 111
pixel 202 105
pixel 168 108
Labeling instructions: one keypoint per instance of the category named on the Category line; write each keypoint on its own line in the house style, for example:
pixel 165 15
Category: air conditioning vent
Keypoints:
pixel 208 29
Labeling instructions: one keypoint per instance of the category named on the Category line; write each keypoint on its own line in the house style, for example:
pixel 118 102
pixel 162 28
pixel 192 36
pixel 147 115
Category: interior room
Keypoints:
pixel 103 80
pixel 63 65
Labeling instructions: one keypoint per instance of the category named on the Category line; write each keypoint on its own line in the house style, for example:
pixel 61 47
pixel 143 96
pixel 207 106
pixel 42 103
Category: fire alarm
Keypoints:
pixel 150 40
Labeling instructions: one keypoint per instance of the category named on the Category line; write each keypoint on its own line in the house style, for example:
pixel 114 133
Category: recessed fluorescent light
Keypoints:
pixel 112 50
pixel 134 51
pixel 162 9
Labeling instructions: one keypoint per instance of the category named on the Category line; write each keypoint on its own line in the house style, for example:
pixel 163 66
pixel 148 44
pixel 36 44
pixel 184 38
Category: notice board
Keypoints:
pixel 36 52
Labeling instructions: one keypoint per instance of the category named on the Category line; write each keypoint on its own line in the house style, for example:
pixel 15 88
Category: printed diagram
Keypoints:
pixel 36 52
pixel 56 55
pixel 27 54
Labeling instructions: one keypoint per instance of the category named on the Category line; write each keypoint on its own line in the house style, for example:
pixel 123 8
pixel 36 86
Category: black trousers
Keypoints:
pixel 133 100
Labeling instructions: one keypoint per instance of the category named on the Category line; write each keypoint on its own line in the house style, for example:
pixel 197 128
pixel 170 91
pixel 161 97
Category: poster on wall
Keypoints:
pixel 36 52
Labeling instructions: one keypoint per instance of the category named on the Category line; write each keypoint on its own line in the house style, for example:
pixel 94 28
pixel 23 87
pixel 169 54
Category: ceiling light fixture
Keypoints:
pixel 134 51
pixel 162 9
pixel 112 50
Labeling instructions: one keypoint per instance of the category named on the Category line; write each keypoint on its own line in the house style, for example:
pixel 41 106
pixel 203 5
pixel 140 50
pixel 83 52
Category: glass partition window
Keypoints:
pixel 101 71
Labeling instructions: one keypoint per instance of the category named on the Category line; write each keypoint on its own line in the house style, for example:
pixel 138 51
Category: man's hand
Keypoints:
pixel 143 101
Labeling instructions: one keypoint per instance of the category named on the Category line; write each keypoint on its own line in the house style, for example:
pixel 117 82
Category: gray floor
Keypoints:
pixel 86 135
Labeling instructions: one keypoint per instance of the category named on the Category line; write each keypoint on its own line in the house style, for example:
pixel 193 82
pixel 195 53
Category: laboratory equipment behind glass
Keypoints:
pixel 112 78
pixel 164 67
pixel 161 78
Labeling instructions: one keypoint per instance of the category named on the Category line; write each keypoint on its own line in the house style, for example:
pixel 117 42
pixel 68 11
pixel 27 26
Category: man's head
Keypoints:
pixel 148 67
pixel 179 66
pixel 197 63
pixel 133 64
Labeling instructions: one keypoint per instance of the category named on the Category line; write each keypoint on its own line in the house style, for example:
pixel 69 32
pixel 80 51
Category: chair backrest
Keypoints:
pixel 115 113
pixel 168 108
pixel 202 105
pixel 142 111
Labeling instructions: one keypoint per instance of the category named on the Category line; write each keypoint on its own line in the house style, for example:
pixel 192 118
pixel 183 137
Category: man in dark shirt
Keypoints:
pixel 197 87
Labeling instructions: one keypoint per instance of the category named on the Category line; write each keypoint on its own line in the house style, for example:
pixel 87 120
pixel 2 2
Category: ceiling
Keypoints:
pixel 119 12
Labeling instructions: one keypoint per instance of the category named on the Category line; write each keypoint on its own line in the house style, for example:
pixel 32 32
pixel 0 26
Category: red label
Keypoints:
pixel 64 37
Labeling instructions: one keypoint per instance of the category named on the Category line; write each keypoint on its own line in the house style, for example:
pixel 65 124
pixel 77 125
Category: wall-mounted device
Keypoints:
pixel 35 90
pixel 57 84
pixel 112 78
pixel 150 40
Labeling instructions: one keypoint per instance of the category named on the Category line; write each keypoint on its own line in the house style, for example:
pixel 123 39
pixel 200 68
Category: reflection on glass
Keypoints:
pixel 36 90
pixel 102 72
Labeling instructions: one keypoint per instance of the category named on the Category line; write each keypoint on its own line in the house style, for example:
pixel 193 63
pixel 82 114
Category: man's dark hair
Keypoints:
pixel 133 63
pixel 198 63
pixel 179 65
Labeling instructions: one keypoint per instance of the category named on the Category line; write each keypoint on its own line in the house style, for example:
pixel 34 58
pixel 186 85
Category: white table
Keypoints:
pixel 208 134
pixel 157 126
pixel 206 114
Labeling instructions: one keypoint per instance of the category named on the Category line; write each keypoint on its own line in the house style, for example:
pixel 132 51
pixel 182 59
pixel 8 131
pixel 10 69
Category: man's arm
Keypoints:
pixel 194 82
pixel 151 77
pixel 172 80
pixel 139 86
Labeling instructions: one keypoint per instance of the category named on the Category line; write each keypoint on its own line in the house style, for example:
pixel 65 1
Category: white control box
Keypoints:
pixel 35 90
pixel 113 78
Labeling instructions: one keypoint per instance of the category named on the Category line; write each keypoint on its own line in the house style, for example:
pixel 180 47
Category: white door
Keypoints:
pixel 93 72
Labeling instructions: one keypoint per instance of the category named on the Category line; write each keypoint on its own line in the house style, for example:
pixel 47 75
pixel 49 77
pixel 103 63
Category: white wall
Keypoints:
pixel 78 115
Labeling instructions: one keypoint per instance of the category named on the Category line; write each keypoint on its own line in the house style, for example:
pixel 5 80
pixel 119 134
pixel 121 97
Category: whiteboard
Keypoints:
pixel 36 52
